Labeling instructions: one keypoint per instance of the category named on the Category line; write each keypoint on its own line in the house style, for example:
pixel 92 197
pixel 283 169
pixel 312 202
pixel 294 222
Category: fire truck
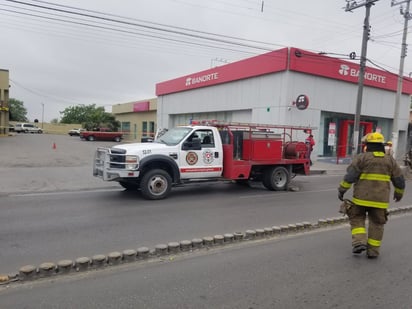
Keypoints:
pixel 207 151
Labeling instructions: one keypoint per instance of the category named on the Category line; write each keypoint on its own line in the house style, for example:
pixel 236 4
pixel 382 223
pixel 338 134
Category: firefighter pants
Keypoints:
pixel 377 217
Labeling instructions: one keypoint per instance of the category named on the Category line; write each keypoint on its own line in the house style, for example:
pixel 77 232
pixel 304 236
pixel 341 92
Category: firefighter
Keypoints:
pixel 371 173
pixel 310 143
pixel 388 148
pixel 363 143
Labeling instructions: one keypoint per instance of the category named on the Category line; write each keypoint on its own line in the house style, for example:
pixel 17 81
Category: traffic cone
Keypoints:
pixel 54 145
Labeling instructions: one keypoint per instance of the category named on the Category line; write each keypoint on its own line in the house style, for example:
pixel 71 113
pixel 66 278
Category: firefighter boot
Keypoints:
pixel 357 249
pixel 373 251
pixel 377 219
pixel 357 216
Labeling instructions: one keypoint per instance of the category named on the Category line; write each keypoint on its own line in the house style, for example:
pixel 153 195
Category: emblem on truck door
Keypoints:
pixel 207 156
pixel 191 158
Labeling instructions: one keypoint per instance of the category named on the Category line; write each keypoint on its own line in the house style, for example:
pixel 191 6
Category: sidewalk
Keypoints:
pixel 329 166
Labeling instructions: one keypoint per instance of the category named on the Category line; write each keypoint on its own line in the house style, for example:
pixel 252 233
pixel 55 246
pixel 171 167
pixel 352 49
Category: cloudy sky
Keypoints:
pixel 61 53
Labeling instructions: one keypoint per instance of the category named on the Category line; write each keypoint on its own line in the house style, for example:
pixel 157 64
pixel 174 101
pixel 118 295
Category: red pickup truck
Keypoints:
pixel 101 135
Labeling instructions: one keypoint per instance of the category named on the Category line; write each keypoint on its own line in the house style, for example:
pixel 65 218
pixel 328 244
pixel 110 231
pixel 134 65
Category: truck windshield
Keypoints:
pixel 174 136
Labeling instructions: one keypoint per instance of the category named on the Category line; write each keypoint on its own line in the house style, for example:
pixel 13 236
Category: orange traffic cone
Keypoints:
pixel 54 146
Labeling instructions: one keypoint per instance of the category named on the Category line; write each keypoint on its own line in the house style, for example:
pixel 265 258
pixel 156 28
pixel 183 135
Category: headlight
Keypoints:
pixel 132 162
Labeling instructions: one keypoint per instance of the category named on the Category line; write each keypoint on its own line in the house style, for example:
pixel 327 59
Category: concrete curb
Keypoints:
pixel 100 261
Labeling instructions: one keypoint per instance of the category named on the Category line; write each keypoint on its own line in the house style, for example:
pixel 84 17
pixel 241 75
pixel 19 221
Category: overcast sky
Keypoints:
pixel 61 53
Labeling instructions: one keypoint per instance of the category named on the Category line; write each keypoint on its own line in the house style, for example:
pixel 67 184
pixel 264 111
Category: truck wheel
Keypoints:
pixel 117 139
pixel 276 179
pixel 90 138
pixel 156 184
pixel 130 186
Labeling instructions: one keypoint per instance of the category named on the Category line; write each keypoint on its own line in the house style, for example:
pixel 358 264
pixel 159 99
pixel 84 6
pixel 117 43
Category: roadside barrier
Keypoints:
pixel 100 261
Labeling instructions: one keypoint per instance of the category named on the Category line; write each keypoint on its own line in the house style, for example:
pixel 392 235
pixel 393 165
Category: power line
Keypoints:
pixel 151 26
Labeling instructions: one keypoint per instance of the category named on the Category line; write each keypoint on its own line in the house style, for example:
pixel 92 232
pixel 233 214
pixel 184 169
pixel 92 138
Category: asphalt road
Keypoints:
pixel 62 212
pixel 48 227
pixel 312 270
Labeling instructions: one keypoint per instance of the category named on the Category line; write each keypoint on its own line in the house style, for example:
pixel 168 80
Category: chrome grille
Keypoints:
pixel 117 158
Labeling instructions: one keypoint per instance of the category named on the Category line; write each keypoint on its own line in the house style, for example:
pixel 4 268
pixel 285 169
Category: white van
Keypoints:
pixel 27 128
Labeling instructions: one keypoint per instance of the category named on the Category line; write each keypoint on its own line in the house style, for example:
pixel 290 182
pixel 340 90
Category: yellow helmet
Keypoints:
pixel 389 142
pixel 375 137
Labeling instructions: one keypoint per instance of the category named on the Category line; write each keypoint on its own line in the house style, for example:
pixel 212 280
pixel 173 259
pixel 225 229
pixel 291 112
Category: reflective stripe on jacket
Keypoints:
pixel 372 173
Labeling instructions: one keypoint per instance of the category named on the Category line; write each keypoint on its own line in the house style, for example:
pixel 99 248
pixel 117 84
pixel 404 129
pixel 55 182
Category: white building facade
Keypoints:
pixel 268 89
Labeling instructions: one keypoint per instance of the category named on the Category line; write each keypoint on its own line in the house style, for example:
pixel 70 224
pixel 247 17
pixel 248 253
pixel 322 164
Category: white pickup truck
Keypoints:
pixel 206 151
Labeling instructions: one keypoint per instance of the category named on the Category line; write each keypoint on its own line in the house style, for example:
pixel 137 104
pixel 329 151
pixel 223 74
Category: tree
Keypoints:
pixel 17 111
pixel 90 116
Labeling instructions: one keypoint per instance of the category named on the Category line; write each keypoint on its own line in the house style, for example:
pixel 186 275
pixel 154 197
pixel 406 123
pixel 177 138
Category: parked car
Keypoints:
pixel 146 139
pixel 101 135
pixel 75 132
pixel 27 128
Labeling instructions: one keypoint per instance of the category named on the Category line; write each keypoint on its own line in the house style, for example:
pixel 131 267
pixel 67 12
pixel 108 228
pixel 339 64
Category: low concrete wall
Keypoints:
pixel 54 128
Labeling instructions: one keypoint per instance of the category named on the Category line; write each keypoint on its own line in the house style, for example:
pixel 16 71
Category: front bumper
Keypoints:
pixel 112 164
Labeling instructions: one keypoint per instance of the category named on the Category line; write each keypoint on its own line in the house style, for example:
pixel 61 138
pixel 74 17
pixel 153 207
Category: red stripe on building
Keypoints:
pixel 141 106
pixel 277 61
pixel 271 62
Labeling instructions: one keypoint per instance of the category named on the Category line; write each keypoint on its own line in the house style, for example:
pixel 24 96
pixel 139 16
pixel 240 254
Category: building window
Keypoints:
pixel 144 127
pixel 151 128
pixel 125 126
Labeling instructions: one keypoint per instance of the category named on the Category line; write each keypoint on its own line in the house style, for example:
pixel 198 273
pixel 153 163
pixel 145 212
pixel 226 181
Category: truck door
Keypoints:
pixel 201 155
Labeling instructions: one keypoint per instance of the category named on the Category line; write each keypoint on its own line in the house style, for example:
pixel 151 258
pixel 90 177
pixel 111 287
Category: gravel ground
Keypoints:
pixel 47 163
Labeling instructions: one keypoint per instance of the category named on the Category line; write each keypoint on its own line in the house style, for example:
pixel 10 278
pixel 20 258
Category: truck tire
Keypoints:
pixel 276 179
pixel 117 139
pixel 156 184
pixel 90 138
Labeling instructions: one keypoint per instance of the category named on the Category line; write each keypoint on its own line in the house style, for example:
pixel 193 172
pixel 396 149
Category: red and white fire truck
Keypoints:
pixel 207 151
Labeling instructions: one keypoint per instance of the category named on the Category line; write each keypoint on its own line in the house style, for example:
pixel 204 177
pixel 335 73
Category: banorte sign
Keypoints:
pixel 346 70
pixel 201 79
pixel 334 68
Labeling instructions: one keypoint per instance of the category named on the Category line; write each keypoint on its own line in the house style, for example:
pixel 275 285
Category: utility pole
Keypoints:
pixel 407 16
pixel 42 114
pixel 350 6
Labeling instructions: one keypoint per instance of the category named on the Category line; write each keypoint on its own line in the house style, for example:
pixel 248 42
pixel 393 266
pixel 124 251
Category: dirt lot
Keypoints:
pixel 47 162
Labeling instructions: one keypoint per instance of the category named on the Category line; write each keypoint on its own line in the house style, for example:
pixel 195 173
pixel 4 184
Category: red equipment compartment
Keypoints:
pixel 261 146
pixel 262 149
pixel 295 150
pixel 233 168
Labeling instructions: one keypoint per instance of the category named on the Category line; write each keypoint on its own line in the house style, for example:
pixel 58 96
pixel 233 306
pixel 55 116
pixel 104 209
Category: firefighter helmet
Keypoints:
pixel 375 137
